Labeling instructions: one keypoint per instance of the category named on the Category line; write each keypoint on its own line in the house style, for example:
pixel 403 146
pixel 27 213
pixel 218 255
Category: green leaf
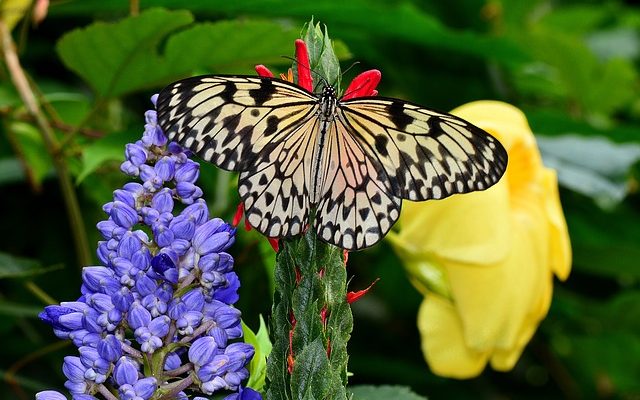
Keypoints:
pixel 120 57
pixel 124 57
pixel 262 345
pixel 108 148
pixel 18 267
pixel 32 150
pixel 17 310
pixel 385 392
pixel 397 21
pixel 593 166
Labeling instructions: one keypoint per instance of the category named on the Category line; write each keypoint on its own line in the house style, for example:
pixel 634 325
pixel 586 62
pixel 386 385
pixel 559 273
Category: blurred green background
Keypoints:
pixel 571 66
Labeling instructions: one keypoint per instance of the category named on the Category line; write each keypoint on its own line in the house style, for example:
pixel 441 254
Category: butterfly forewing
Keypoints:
pixel 353 167
pixel 426 154
pixel 229 120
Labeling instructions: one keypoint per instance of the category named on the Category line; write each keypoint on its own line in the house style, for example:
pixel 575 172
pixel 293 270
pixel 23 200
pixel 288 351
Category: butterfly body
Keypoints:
pixel 344 164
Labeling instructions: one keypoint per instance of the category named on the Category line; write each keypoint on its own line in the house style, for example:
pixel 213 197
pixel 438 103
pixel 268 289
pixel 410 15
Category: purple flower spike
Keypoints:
pixel 245 394
pixel 163 276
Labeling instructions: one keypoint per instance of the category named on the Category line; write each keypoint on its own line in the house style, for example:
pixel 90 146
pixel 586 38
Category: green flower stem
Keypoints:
pixel 311 322
pixel 66 186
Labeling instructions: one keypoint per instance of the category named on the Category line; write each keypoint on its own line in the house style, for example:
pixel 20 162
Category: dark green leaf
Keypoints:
pixel 18 267
pixel 32 150
pixel 121 57
pixel 124 57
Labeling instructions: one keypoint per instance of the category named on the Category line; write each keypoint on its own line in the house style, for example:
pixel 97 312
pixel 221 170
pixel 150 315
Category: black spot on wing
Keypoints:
pixel 381 144
pixel 398 116
pixel 263 93
pixel 272 125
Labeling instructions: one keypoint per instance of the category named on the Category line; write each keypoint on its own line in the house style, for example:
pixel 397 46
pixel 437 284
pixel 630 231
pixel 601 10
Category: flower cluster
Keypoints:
pixel 162 300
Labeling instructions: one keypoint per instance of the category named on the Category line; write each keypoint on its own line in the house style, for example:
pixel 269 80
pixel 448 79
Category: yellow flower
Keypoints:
pixel 485 261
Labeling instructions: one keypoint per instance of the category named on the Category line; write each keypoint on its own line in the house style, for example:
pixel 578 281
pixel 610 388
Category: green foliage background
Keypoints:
pixel 572 66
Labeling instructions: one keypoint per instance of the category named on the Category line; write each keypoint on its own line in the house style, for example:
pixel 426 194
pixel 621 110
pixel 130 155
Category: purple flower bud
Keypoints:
pixel 128 168
pixel 219 262
pixel 145 285
pixel 242 351
pixel 163 265
pixel 145 388
pixel 154 99
pixel 52 314
pixel 50 395
pixel 188 192
pixel 109 229
pixel 188 172
pixel 165 168
pixel 122 299
pixel 224 315
pixel 110 348
pixel 76 388
pixel 159 326
pixel 83 397
pixel 154 304
pixel 220 336
pixel 125 197
pixel 217 383
pixel 187 323
pixel 229 293
pixel 99 279
pixel 244 394
pixel 123 214
pixel 217 366
pixel 181 246
pixel 104 253
pixel 138 316
pixel 163 235
pixel 129 244
pixel 197 211
pixel 172 361
pixel 213 236
pixel 125 371
pixel 136 154
pixel 203 350
pixel 73 369
pixel 163 201
pixel 183 227
pixel 152 181
pixel 194 300
pixel 149 215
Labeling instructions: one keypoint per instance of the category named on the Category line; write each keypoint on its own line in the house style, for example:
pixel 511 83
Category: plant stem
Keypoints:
pixel 21 83
pixel 311 320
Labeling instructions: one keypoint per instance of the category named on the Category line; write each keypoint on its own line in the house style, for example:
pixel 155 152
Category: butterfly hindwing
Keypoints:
pixel 357 207
pixel 426 154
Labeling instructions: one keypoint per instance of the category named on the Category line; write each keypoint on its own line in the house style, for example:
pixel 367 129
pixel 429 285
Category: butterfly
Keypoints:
pixel 343 166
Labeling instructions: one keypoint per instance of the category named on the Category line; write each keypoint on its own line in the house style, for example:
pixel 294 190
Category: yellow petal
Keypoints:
pixel 471 228
pixel 443 343
pixel 560 247
pixel 495 302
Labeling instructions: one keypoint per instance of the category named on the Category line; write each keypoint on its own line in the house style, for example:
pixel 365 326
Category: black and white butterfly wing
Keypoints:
pixel 386 150
pixel 358 206
pixel 426 154
pixel 263 127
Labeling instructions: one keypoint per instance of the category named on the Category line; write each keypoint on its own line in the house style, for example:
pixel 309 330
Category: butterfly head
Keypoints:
pixel 328 101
